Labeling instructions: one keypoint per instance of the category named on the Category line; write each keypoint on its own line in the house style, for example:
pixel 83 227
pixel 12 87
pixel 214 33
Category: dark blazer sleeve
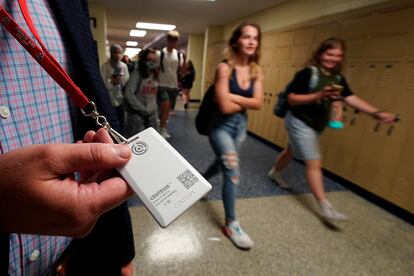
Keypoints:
pixel 110 245
pixel 4 253
pixel 73 19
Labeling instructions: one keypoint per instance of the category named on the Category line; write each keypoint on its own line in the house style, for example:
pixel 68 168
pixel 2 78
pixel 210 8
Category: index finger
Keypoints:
pixel 102 136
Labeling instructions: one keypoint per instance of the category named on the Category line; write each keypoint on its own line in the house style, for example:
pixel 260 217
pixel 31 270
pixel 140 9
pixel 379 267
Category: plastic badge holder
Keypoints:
pixel 164 181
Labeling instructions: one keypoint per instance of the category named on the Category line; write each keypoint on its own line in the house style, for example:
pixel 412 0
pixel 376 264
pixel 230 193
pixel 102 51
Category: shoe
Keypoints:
pixel 277 178
pixel 236 234
pixel 164 133
pixel 329 213
pixel 186 106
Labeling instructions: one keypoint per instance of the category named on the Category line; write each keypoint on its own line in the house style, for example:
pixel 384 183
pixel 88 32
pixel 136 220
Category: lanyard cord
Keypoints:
pixel 52 66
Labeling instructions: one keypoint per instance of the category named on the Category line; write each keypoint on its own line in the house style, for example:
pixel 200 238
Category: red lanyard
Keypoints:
pixel 51 65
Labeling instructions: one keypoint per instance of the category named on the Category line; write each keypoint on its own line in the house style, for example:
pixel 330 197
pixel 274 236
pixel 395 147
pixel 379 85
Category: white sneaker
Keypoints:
pixel 164 133
pixel 277 178
pixel 329 213
pixel 236 234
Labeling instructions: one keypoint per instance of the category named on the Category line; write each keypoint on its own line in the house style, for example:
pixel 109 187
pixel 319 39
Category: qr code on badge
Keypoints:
pixel 187 178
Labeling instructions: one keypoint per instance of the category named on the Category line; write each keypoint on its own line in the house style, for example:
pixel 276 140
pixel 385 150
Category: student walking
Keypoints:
pixel 141 95
pixel 309 114
pixel 238 87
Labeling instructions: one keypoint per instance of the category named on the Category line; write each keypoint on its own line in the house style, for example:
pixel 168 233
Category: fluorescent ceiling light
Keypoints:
pixel 137 33
pixel 133 49
pixel 155 26
pixel 132 43
pixel 131 52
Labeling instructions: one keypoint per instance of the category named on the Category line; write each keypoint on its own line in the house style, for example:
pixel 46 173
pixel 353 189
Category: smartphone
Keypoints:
pixel 337 87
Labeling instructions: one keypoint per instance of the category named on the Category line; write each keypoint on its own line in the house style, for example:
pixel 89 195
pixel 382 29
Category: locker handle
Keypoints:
pixel 392 127
pixel 354 117
pixel 344 117
pixel 397 118
pixel 353 121
pixel 390 130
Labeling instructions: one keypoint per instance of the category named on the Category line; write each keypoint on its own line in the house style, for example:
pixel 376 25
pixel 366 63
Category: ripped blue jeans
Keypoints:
pixel 226 138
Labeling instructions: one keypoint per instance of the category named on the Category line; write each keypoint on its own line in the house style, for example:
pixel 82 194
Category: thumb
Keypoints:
pixel 89 156
pixel 106 195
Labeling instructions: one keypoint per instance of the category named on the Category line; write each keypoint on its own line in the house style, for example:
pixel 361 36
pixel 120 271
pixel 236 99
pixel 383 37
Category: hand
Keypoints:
pixel 328 92
pixel 39 193
pixel 385 117
pixel 116 80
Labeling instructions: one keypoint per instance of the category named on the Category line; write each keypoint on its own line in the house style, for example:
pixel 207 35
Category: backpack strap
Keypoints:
pixel 162 59
pixel 314 80
pixel 179 54
pixel 338 77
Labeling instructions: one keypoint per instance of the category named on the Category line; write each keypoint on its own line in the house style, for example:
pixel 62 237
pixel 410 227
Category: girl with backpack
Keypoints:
pixel 309 114
pixel 141 95
pixel 187 82
pixel 238 86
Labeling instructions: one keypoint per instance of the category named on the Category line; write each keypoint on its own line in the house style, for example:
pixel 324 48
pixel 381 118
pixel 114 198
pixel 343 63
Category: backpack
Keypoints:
pixel 282 106
pixel 208 110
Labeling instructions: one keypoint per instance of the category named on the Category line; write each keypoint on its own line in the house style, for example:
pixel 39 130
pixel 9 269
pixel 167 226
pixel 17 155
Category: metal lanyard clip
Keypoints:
pixel 103 122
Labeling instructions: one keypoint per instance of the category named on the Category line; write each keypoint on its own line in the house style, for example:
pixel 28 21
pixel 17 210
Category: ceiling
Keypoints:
pixel 190 16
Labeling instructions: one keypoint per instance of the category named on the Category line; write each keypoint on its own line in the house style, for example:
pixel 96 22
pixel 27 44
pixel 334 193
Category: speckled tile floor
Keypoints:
pixel 289 237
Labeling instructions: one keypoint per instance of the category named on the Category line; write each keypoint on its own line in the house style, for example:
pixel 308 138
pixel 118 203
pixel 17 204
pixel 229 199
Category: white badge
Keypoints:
pixel 165 182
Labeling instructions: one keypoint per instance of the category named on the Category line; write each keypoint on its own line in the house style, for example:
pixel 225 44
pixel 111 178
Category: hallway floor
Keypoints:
pixel 289 236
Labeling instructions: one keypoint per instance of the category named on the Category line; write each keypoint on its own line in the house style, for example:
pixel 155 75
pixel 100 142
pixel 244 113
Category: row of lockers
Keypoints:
pixel 380 69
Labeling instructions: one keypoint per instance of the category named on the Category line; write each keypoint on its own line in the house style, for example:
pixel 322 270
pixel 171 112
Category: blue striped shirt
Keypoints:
pixel 39 113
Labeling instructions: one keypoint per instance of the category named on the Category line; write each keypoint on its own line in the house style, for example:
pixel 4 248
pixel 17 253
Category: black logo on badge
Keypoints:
pixel 139 148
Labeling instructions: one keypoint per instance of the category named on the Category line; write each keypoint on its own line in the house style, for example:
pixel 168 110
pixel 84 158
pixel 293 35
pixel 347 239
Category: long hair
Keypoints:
pixel 327 44
pixel 232 49
pixel 143 70
pixel 190 66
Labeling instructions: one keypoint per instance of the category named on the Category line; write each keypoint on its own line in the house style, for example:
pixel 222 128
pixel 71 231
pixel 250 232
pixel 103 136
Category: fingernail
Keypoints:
pixel 122 151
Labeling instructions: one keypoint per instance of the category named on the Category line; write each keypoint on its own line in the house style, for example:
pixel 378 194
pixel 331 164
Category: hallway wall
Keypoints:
pixel 98 16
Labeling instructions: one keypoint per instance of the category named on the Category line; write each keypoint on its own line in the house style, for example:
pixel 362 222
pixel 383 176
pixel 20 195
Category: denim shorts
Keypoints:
pixel 165 94
pixel 303 140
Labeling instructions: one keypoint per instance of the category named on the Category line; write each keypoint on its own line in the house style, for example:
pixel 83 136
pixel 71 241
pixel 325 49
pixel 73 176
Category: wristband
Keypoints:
pixel 375 114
